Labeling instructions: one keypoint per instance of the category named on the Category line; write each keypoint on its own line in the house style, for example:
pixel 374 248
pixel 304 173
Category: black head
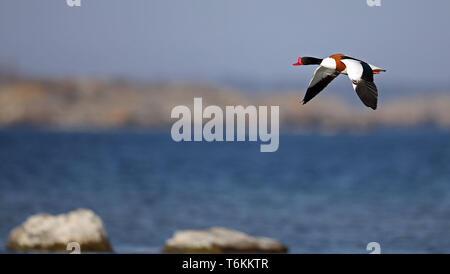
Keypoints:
pixel 308 61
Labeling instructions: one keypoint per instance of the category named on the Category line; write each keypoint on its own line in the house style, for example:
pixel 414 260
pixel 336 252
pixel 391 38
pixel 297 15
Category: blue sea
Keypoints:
pixel 316 194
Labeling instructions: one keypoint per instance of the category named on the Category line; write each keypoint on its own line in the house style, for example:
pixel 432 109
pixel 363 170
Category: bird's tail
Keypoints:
pixel 376 70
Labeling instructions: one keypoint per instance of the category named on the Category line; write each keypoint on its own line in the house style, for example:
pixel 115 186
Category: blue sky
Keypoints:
pixel 224 40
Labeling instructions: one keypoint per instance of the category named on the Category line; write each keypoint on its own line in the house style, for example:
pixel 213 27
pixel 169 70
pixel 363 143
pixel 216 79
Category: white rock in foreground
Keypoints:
pixel 220 240
pixel 46 232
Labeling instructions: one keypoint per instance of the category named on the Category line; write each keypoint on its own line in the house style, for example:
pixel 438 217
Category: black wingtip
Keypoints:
pixel 368 93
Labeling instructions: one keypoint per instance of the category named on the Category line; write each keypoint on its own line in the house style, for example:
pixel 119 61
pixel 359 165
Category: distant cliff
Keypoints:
pixel 91 104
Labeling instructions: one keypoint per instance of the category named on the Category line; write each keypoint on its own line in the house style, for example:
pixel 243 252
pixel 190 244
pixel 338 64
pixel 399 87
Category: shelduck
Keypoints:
pixel 359 72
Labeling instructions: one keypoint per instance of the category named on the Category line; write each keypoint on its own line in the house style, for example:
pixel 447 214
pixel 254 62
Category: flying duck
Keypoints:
pixel 359 72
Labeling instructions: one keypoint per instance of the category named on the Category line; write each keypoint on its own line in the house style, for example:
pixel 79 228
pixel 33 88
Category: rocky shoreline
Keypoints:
pixel 53 233
pixel 44 232
pixel 221 240
pixel 76 104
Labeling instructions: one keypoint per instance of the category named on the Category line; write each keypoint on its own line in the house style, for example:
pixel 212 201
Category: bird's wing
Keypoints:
pixel 361 76
pixel 322 77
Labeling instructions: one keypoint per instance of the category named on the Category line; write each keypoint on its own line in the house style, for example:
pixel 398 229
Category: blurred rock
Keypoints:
pixel 221 240
pixel 44 232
